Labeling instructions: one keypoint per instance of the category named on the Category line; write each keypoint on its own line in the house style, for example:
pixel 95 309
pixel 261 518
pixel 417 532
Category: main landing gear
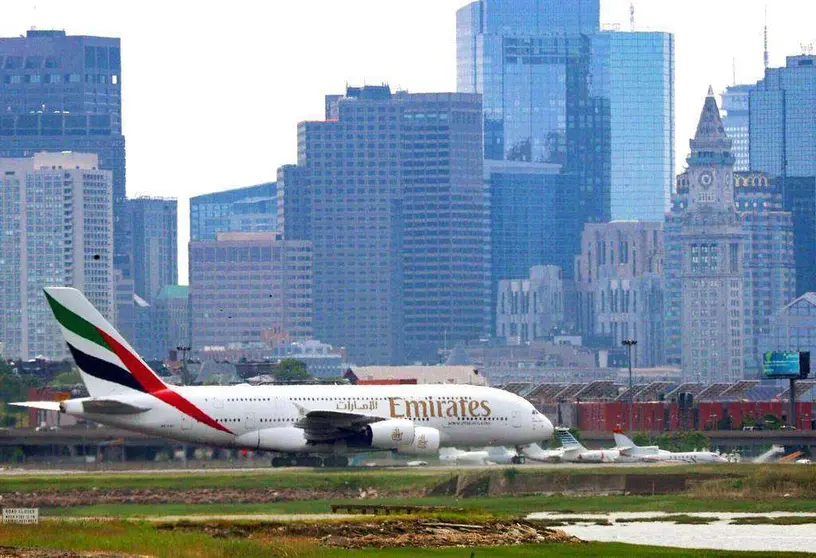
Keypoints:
pixel 310 461
pixel 519 458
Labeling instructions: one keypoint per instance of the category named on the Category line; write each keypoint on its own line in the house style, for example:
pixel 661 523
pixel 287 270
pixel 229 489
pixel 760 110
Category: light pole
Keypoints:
pixel 629 344
pixel 185 380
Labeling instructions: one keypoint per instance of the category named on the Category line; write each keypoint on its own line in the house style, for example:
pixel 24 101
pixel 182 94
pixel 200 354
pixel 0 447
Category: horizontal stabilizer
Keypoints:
pixel 44 405
pixel 110 407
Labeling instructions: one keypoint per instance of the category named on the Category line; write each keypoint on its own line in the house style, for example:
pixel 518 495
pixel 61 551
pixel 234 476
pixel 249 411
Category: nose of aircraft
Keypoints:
pixel 546 427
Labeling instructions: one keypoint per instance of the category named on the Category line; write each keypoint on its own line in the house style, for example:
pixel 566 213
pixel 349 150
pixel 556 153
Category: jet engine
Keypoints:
pixel 390 434
pixel 425 442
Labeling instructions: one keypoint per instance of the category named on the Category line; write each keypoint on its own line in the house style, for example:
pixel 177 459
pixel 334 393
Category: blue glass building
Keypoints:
pixel 531 61
pixel 783 119
pixel 248 209
pixel 783 143
pixel 635 71
pixel 735 103
pixel 532 216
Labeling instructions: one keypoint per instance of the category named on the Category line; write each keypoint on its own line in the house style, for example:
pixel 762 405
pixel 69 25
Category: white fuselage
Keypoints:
pixel 463 414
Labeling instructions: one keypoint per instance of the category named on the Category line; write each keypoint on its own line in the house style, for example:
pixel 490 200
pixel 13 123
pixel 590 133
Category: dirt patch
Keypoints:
pixel 9 552
pixel 88 497
pixel 391 533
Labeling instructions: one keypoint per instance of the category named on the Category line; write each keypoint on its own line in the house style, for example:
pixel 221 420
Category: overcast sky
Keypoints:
pixel 213 91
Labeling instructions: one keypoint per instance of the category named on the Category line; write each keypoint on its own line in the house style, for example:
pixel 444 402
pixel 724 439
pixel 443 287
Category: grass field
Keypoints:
pixel 501 506
pixel 143 539
pixel 393 479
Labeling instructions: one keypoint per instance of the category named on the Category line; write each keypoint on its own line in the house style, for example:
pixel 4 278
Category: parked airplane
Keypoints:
pixel 308 425
pixel 629 451
pixel 487 456
pixel 571 451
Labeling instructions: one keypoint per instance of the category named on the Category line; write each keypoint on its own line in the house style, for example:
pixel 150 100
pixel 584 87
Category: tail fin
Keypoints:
pixel 622 440
pixel 107 363
pixel 567 439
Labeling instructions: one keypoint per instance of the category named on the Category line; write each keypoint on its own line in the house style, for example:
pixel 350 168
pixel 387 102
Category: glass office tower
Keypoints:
pixel 635 71
pixel 783 119
pixel 531 61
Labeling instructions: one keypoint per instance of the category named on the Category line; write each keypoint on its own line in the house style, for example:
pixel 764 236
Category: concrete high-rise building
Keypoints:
pixel 799 197
pixel 248 209
pixel 247 289
pixel 56 229
pixel 61 92
pixel 736 121
pixel 783 119
pixel 770 274
pixel 619 279
pixel 389 189
pixel 705 294
pixel 171 319
pixel 530 308
pixel 635 72
pixel 154 232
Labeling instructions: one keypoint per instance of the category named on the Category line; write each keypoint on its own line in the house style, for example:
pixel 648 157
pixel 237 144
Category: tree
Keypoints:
pixel 67 379
pixel 292 370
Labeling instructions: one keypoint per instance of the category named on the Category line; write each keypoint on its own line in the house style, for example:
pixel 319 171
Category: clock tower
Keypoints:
pixel 704 268
pixel 711 164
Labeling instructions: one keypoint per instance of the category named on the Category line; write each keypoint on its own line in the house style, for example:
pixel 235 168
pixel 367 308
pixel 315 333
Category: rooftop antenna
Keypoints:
pixel 765 52
pixel 632 16
pixel 734 70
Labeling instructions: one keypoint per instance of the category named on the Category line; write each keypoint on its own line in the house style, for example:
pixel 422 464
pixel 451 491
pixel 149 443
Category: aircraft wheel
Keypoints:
pixel 277 462
pixel 517 460
pixel 342 461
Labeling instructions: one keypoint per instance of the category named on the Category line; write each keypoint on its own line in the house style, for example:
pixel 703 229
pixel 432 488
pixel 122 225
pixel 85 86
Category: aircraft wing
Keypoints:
pixel 327 426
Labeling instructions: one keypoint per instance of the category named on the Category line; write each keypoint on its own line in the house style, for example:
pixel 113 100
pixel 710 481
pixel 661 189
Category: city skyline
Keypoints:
pixel 231 80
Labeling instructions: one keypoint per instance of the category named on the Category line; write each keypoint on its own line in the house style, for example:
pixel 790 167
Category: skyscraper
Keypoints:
pixel 736 121
pixel 705 261
pixel 246 288
pixel 783 119
pixel 63 93
pixel 770 274
pixel 619 279
pixel 799 197
pixel 56 228
pixel 155 244
pixel 248 209
pixel 389 189
pixel 561 94
pixel 635 71
pixel 532 219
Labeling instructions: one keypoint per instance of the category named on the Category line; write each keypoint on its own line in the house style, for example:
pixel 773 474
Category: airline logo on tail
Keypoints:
pixel 100 354
pixel 567 439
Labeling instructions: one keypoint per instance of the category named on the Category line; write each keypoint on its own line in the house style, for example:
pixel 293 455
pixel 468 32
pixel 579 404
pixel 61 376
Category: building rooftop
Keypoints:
pixel 174 292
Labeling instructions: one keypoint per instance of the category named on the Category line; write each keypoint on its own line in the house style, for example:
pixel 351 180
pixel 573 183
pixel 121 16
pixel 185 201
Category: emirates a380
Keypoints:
pixel 303 424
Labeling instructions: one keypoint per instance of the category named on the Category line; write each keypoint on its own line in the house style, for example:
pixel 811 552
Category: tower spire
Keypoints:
pixel 710 136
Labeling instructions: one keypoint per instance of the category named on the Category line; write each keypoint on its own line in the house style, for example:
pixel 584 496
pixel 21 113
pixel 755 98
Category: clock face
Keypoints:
pixel 706 179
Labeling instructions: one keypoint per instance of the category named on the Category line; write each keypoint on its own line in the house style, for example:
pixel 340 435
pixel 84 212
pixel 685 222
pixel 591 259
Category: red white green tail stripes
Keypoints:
pixel 109 365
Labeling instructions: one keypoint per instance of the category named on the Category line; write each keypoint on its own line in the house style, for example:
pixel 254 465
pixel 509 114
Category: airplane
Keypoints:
pixel 652 454
pixel 571 451
pixel 486 456
pixel 303 425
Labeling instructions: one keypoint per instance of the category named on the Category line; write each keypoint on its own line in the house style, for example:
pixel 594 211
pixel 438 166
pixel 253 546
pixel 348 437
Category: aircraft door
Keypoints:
pixel 516 419
pixel 251 421
pixel 186 422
